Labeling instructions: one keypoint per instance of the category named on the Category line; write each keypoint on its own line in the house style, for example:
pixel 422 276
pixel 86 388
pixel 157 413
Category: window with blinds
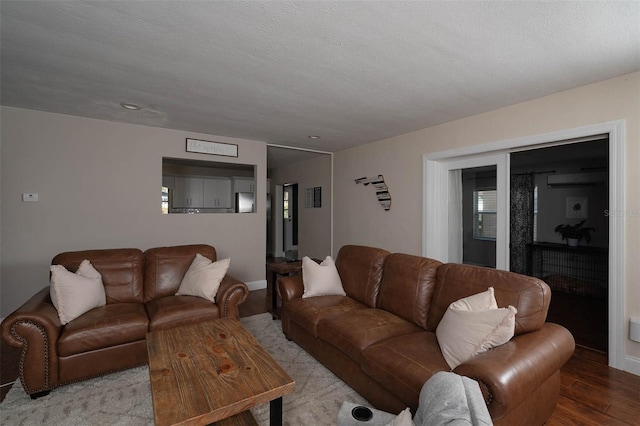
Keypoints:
pixel 485 206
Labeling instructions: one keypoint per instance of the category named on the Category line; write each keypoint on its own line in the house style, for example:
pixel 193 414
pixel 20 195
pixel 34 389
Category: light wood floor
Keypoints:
pixel 592 394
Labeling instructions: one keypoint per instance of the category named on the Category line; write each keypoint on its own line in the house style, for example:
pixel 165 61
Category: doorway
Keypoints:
pixel 309 228
pixel 479 216
pixel 447 187
pixel 436 228
pixel 290 221
pixel 557 186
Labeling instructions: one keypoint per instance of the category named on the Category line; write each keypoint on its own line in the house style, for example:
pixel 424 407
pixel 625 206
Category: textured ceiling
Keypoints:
pixel 351 72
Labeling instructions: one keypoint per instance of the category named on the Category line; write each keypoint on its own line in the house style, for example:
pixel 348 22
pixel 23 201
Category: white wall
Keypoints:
pixel 99 187
pixel 314 224
pixel 358 219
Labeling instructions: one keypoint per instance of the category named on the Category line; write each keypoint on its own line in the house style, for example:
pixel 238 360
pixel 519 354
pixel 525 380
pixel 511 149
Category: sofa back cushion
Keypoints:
pixel 360 270
pixel 530 296
pixel 407 286
pixel 165 267
pixel 121 270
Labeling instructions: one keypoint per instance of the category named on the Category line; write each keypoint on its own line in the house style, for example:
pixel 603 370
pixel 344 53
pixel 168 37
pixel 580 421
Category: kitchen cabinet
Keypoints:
pixel 201 192
pixel 243 184
pixel 217 192
pixel 187 192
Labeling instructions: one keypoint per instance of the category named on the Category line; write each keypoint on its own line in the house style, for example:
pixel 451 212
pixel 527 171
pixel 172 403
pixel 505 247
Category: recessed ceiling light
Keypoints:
pixel 130 106
pixel 314 137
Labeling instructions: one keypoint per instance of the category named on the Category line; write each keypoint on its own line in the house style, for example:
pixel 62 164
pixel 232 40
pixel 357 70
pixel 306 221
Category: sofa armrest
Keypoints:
pixel 231 294
pixel 509 373
pixel 290 287
pixel 35 327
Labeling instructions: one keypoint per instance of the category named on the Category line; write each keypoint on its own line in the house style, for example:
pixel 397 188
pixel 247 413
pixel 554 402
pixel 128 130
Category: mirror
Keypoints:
pixel 196 187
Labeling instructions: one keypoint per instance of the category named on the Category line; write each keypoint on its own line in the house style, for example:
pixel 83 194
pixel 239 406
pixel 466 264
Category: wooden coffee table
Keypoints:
pixel 209 371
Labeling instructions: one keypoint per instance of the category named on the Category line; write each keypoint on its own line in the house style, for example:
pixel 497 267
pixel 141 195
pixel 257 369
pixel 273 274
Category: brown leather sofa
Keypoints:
pixel 380 338
pixel 140 294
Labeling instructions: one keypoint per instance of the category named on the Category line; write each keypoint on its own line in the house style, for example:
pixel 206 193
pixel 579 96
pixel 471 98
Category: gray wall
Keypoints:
pixel 99 187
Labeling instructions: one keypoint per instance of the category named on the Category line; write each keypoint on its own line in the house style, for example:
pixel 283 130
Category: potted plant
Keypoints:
pixel 574 233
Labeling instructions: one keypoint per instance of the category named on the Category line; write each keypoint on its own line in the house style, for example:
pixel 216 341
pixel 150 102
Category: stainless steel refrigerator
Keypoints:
pixel 245 202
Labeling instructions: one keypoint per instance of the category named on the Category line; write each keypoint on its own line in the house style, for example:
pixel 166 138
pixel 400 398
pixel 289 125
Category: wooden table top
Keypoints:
pixel 284 267
pixel 205 372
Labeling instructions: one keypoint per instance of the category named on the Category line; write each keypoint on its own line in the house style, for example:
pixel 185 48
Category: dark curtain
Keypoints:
pixel 521 220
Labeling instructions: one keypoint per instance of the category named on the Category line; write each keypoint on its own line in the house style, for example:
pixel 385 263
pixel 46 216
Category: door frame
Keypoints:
pixel 292 190
pixel 435 222
pixel 277 214
pixel 501 162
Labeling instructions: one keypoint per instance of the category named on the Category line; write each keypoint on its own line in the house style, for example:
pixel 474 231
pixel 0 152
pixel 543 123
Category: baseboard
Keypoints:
pixel 256 285
pixel 632 365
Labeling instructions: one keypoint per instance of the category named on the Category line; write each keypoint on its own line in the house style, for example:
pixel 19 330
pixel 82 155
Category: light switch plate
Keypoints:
pixel 29 197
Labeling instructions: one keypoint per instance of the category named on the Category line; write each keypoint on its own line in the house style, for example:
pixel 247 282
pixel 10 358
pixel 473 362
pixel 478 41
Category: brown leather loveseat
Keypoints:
pixel 140 297
pixel 380 338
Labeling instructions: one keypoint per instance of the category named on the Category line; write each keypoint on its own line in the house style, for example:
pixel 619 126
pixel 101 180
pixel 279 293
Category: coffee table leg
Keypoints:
pixel 275 412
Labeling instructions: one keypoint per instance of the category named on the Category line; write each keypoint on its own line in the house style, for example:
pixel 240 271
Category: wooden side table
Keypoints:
pixel 277 267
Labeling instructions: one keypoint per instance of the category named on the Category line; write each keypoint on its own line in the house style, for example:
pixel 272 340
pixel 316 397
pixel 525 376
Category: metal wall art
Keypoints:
pixel 382 191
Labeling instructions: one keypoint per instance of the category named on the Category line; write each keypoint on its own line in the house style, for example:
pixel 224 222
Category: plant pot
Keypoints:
pixel 573 242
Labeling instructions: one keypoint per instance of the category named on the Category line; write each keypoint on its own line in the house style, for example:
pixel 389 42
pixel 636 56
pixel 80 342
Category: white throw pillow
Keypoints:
pixel 74 294
pixel 203 278
pixel 322 279
pixel 402 419
pixel 467 329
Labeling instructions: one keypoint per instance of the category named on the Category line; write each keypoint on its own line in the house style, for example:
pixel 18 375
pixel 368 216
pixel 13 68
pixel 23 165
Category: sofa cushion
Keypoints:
pixel 530 296
pixel 166 266
pixel 402 364
pixel 322 279
pixel 172 311
pixel 121 270
pixel 308 312
pixel 203 278
pixel 360 270
pixel 103 327
pixel 407 286
pixel 360 328
pixel 73 294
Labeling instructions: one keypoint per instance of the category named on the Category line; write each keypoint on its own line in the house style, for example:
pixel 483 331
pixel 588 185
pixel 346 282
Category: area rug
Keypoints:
pixel 124 398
